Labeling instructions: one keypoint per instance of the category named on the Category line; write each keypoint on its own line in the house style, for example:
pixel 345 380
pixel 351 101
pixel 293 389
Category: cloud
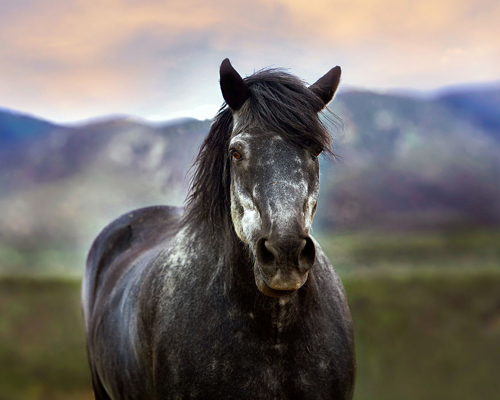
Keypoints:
pixel 73 59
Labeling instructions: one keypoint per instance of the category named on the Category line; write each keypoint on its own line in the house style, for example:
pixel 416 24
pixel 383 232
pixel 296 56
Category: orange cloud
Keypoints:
pixel 71 59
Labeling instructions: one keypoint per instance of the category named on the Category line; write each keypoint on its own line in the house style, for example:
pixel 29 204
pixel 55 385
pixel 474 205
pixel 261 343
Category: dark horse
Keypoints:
pixel 230 298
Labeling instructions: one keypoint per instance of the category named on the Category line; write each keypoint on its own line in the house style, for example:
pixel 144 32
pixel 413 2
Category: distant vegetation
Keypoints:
pixel 477 249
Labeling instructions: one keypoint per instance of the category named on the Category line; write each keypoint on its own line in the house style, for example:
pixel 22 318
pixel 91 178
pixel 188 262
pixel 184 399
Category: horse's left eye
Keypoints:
pixel 316 154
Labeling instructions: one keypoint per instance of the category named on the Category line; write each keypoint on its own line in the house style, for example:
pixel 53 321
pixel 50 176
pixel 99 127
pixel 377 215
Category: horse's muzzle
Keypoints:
pixel 283 266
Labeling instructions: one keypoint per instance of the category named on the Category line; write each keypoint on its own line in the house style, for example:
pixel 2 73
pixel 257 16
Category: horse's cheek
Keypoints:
pixel 237 218
pixel 310 210
pixel 251 223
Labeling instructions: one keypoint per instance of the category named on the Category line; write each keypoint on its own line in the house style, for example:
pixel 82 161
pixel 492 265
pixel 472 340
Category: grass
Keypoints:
pixel 426 311
pixel 419 335
pixel 42 347
pixel 426 334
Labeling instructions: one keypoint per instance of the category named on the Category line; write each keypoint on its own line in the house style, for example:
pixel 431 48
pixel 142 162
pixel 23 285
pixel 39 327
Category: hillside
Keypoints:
pixel 481 107
pixel 404 164
pixel 412 163
pixel 75 180
pixel 18 131
pixel 20 128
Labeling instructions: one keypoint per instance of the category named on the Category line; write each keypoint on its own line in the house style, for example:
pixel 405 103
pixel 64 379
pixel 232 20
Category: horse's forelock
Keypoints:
pixel 281 103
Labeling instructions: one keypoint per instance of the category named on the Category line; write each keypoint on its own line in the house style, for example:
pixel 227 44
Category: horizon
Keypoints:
pixel 208 111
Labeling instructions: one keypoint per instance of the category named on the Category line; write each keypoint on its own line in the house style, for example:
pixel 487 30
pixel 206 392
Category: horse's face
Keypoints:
pixel 274 188
pixel 274 192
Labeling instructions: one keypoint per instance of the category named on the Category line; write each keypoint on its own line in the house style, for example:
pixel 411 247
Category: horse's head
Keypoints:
pixel 274 170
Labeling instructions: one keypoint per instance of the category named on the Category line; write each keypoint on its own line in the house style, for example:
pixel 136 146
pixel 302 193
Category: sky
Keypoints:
pixel 70 60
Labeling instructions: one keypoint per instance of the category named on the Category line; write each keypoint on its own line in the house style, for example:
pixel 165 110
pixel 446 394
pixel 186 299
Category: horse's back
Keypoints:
pixel 120 243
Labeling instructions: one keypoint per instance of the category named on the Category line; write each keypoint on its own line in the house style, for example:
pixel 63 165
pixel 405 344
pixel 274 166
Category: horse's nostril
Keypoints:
pixel 307 255
pixel 266 256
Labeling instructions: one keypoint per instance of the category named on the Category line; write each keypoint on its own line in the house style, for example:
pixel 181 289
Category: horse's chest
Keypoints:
pixel 209 347
pixel 244 374
pixel 227 359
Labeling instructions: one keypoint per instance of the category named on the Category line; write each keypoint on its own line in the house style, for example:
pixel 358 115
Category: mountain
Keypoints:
pixel 413 163
pixel 403 163
pixel 18 130
pixel 480 107
pixel 75 180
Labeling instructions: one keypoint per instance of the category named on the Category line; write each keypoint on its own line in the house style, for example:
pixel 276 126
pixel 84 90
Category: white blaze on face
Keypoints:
pixel 249 223
pixel 312 201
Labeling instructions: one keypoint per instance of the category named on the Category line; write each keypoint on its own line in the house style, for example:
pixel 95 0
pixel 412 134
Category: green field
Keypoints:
pixel 418 336
pixel 427 335
pixel 42 344
pixel 426 311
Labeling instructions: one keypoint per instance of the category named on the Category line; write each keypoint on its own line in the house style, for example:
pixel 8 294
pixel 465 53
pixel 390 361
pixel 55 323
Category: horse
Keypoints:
pixel 230 297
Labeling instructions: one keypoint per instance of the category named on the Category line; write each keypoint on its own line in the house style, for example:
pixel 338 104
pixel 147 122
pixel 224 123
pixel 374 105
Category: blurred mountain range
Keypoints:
pixel 416 163
pixel 403 163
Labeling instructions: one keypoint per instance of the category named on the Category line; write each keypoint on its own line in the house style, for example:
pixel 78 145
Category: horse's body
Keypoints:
pixel 224 300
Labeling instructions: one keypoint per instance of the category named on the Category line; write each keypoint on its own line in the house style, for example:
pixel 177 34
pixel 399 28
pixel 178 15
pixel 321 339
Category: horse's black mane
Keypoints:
pixel 279 103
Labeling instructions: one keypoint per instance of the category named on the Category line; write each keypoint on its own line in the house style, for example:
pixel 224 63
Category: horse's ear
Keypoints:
pixel 234 89
pixel 326 86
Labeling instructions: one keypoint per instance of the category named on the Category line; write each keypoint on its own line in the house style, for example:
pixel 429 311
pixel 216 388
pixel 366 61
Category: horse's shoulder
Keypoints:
pixel 330 282
pixel 127 237
pixel 324 266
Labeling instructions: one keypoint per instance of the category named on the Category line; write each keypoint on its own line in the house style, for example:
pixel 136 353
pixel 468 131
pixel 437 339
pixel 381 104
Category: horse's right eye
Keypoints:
pixel 236 155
